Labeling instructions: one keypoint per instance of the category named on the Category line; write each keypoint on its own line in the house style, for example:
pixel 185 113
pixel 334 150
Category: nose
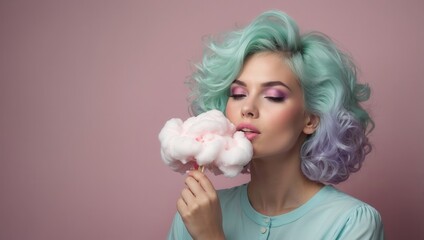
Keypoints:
pixel 249 110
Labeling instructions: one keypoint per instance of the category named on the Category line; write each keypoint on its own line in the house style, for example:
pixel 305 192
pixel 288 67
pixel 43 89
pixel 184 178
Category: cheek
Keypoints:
pixel 230 112
pixel 286 119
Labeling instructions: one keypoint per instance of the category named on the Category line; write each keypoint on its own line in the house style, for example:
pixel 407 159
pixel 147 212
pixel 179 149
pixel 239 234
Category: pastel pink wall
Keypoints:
pixel 85 87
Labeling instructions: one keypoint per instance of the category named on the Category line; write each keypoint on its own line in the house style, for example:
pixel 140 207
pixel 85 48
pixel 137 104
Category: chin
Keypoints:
pixel 260 154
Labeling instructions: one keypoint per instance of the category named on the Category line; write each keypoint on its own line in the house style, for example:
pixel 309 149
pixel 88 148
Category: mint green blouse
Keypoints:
pixel 329 214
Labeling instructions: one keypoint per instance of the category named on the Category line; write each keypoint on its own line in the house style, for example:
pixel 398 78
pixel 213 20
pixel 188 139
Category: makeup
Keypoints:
pixel 275 95
pixel 249 130
pixel 237 92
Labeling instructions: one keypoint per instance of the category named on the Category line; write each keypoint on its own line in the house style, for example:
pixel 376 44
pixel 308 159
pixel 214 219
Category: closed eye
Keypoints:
pixel 237 96
pixel 275 99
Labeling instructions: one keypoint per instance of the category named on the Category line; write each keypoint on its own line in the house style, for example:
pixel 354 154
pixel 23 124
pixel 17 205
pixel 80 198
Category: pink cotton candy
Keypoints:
pixel 209 140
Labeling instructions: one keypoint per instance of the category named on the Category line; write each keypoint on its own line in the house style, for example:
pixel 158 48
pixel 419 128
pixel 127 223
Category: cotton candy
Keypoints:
pixel 209 140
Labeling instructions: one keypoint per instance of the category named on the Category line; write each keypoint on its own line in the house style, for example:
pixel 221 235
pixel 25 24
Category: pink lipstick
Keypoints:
pixel 249 130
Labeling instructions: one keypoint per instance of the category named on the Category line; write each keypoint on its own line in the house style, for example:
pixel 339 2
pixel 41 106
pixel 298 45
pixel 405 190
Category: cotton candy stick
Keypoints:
pixel 200 168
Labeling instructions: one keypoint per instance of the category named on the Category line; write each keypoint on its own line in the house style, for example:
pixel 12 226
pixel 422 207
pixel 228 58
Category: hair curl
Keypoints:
pixel 328 79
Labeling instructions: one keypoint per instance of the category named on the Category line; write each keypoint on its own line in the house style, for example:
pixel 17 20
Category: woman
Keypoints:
pixel 297 100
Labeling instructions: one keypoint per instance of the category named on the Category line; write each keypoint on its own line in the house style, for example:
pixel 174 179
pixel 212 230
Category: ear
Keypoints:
pixel 311 123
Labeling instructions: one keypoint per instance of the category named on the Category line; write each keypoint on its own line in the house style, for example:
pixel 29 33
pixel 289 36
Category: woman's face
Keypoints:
pixel 266 102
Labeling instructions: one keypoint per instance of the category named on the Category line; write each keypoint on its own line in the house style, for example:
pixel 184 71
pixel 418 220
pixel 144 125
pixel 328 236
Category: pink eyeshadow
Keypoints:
pixel 272 92
pixel 237 90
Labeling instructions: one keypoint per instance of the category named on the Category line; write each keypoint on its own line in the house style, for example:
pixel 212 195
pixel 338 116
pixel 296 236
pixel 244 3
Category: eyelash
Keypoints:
pixel 237 96
pixel 272 99
pixel 276 99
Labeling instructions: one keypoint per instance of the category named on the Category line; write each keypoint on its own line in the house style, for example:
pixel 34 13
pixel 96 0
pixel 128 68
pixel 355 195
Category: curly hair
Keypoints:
pixel 326 74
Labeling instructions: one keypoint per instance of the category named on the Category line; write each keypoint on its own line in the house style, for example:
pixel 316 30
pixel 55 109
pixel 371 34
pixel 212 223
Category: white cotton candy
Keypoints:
pixel 209 140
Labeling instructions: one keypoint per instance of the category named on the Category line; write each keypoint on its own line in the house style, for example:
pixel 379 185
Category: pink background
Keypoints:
pixel 85 87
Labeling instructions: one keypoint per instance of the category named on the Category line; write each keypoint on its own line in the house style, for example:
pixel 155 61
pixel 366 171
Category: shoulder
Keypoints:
pixel 356 218
pixel 363 222
pixel 333 197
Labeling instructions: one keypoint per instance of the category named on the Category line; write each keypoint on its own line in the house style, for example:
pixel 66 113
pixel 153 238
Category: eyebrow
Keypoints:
pixel 266 84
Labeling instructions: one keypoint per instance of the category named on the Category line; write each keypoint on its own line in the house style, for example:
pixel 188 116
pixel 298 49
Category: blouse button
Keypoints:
pixel 263 230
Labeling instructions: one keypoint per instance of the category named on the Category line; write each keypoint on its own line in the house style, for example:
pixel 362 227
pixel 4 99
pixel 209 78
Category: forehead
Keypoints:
pixel 267 66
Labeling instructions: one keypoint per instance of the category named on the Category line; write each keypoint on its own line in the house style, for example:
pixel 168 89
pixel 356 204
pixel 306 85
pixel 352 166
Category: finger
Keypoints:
pixel 187 196
pixel 194 186
pixel 181 206
pixel 204 181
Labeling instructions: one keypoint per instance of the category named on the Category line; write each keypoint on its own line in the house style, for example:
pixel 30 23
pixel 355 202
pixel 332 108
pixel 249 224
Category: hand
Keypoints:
pixel 199 207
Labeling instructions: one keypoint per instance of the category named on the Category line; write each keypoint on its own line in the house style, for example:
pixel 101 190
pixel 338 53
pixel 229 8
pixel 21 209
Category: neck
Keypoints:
pixel 278 185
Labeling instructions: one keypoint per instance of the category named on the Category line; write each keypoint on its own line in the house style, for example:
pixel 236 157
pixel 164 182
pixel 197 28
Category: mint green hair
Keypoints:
pixel 326 74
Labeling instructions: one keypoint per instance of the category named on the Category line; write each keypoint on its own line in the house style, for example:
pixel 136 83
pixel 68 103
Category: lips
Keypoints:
pixel 249 130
